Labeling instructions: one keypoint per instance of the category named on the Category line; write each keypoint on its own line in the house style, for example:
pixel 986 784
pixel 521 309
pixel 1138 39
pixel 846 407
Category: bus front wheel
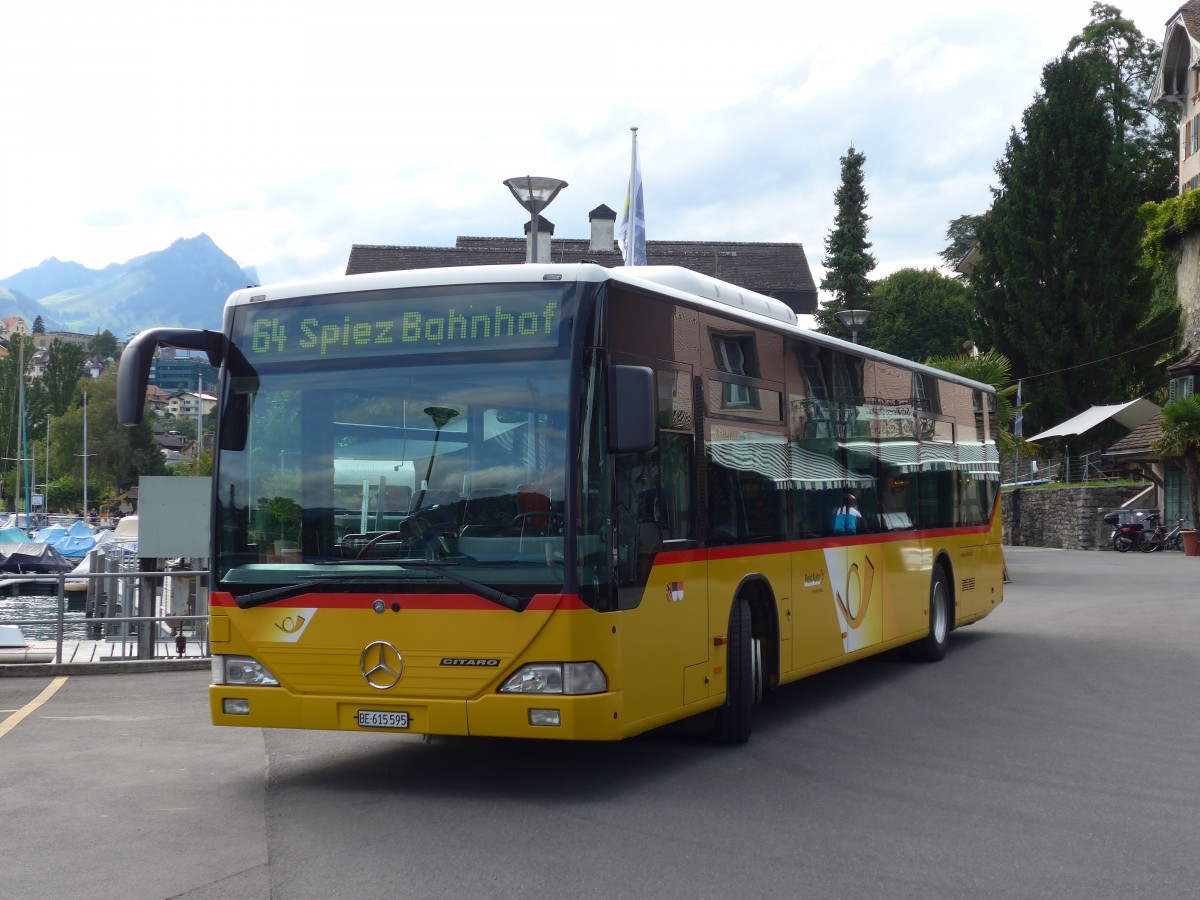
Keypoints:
pixel 733 719
pixel 932 647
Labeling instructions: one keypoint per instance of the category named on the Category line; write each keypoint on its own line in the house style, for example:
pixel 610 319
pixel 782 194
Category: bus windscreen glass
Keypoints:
pixel 342 463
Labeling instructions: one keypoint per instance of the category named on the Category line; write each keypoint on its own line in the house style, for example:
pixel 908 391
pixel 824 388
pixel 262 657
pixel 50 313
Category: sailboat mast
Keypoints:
pixel 85 457
pixel 23 470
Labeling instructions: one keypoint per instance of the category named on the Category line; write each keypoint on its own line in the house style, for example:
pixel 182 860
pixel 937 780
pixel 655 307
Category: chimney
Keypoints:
pixel 545 232
pixel 604 221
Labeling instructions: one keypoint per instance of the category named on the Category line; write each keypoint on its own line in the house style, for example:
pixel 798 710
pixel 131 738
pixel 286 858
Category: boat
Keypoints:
pixel 120 541
pixel 73 542
pixel 11 534
pixel 31 558
pixel 15 649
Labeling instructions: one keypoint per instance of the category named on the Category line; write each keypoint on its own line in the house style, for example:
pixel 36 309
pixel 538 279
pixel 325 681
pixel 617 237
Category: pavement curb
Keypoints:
pixel 116 667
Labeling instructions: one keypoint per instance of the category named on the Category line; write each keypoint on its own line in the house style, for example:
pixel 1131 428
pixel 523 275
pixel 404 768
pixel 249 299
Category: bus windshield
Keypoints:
pixel 417 470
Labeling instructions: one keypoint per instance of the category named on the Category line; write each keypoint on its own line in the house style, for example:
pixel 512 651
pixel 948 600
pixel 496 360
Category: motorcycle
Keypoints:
pixel 1125 535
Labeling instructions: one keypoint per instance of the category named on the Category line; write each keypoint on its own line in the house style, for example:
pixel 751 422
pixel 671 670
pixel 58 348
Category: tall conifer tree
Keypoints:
pixel 1125 63
pixel 1059 286
pixel 847 262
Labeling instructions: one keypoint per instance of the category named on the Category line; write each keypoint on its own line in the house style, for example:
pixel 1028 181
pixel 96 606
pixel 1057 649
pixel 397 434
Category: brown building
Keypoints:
pixel 779 270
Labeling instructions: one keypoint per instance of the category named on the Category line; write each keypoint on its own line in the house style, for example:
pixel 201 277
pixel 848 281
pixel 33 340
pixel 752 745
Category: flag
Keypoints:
pixel 1019 418
pixel 631 233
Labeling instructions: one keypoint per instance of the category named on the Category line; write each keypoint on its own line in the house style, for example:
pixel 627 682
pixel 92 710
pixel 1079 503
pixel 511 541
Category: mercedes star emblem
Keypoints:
pixel 381 665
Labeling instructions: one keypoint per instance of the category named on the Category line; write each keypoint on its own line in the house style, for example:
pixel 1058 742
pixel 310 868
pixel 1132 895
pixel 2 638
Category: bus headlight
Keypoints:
pixel 557 678
pixel 240 670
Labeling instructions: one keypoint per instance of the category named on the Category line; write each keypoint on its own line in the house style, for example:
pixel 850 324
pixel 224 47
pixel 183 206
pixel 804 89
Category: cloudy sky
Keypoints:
pixel 288 131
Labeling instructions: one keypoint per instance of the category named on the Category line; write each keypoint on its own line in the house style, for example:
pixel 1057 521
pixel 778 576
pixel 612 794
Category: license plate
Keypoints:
pixel 376 718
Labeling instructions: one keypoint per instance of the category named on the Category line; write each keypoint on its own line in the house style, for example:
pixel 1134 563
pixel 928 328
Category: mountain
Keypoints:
pixel 184 285
pixel 15 303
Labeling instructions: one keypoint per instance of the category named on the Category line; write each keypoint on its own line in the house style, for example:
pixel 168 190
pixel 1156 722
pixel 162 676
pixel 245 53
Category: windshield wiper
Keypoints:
pixel 262 598
pixel 500 598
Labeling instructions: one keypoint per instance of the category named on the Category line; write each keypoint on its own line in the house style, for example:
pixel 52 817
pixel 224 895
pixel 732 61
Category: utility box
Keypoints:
pixel 174 516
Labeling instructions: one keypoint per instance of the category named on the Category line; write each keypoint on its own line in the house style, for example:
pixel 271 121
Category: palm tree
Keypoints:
pixel 1180 436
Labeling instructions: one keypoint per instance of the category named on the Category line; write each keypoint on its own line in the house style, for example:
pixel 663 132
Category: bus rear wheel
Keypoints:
pixel 733 719
pixel 932 647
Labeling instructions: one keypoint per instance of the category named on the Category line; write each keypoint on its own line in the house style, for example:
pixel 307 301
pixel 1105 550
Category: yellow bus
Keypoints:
pixel 565 501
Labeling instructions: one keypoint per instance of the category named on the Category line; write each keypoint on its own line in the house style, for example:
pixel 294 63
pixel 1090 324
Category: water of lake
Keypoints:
pixel 23 609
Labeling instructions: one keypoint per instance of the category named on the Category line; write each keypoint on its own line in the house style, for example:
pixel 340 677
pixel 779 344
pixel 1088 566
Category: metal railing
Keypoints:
pixel 1085 468
pixel 122 589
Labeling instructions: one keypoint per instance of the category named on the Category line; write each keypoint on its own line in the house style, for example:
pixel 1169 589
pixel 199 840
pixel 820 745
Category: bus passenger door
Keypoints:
pixel 662 575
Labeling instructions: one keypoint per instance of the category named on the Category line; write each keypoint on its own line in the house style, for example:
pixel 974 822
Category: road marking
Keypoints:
pixel 14 720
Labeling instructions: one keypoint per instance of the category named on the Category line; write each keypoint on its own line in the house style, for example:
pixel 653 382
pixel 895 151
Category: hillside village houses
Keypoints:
pixel 16 325
pixel 12 326
pixel 177 402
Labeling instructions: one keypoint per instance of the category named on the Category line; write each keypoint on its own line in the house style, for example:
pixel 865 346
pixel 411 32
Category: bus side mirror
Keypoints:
pixel 630 409
pixel 133 373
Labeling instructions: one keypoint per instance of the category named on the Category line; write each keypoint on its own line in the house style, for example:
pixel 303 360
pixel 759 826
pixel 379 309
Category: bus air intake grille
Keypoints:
pixel 338 672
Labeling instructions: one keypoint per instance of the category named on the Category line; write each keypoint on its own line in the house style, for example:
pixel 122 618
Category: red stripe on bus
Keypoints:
pixel 741 551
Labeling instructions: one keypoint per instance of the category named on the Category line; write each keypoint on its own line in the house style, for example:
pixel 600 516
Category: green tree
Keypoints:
pixel 1058 287
pixel 39 327
pixel 962 234
pixel 1125 63
pixel 14 379
pixel 1179 436
pixel 63 372
pixel 196 464
pixel 847 262
pixel 918 313
pixel 103 344
pixel 117 454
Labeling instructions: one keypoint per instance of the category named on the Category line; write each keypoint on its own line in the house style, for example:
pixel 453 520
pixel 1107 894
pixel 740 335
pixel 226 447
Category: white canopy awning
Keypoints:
pixel 1131 415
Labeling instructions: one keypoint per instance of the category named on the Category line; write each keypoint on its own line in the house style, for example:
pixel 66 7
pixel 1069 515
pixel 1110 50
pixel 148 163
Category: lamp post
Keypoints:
pixel 854 319
pixel 535 194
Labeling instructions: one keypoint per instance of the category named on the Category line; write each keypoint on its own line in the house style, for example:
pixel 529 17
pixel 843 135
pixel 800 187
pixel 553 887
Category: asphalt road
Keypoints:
pixel 1054 753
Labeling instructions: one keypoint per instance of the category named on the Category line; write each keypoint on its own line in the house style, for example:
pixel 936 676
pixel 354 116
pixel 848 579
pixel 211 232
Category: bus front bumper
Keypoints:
pixel 590 717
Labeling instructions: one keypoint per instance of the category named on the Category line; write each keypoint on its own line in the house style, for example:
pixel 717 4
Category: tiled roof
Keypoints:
pixel 776 269
pixel 1136 444
pixel 1190 14
pixel 1189 364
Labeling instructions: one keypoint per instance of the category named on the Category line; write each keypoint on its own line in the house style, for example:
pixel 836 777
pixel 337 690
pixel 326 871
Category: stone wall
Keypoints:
pixel 1187 287
pixel 1066 518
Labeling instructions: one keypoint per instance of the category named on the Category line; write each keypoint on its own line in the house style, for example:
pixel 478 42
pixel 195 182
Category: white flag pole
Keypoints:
pixel 631 201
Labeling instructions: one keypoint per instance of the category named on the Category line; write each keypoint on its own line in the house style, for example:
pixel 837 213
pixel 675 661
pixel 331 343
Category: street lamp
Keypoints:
pixel 535 194
pixel 854 319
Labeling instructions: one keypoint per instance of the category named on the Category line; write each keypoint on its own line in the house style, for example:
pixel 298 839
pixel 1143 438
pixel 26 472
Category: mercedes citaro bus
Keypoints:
pixel 565 501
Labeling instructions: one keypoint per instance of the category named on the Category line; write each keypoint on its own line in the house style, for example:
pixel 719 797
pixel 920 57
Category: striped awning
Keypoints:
pixel 899 455
pixel 786 464
pixel 982 459
pixel 937 457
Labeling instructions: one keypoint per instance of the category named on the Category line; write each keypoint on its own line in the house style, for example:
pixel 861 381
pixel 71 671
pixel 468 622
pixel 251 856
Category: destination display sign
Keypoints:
pixel 325 328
